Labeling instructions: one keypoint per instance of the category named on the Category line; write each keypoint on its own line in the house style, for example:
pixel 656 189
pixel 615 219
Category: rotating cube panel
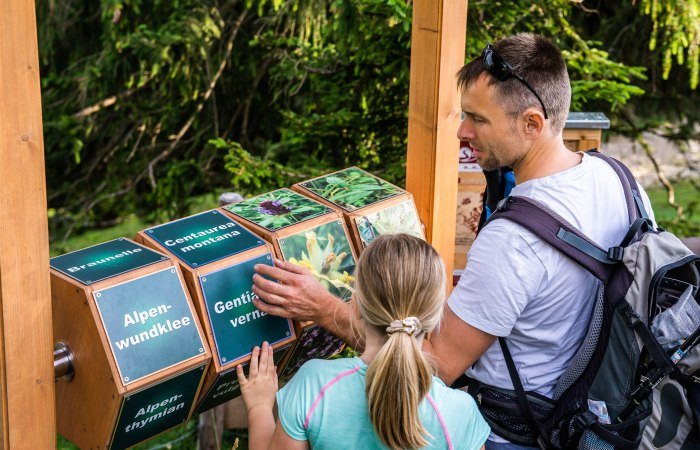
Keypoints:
pixel 371 206
pixel 311 235
pixel 123 311
pixel 217 256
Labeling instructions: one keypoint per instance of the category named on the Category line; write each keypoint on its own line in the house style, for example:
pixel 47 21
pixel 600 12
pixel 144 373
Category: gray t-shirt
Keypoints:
pixel 517 286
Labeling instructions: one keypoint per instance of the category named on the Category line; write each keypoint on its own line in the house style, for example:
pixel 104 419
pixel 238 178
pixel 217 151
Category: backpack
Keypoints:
pixel 640 348
pixel 499 183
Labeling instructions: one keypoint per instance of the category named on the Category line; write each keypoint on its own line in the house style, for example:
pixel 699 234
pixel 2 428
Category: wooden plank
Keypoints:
pixel 88 404
pixel 437 53
pixel 26 343
pixel 582 139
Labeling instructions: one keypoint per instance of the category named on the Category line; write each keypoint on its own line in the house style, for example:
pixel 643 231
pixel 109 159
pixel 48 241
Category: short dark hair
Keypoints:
pixel 537 60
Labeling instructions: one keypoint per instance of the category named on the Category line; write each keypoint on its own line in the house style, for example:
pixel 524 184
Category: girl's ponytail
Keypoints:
pixel 401 292
pixel 397 380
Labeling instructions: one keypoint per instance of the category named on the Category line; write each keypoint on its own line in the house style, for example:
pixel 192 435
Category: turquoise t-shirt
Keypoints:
pixel 325 404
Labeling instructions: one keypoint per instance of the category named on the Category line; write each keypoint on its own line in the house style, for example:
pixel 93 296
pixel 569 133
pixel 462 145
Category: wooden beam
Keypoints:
pixel 26 347
pixel 437 53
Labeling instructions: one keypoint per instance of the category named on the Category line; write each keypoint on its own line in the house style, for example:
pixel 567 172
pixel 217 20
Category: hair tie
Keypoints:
pixel 410 325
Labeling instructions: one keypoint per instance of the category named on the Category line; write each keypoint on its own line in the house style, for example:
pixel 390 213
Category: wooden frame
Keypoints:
pixel 26 390
pixel 437 52
pixel 27 395
pixel 582 139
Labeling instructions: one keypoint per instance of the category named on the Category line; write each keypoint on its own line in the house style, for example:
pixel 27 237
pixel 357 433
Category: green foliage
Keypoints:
pixel 150 103
pixel 676 31
pixel 687 194
pixel 352 188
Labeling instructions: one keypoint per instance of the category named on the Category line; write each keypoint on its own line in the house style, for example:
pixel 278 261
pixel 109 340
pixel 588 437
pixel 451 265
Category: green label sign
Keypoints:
pixel 103 261
pixel 155 409
pixel 204 238
pixel 236 323
pixel 149 323
pixel 314 343
pixel 227 387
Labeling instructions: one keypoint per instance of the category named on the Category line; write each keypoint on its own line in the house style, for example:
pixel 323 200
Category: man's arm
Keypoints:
pixel 455 346
pixel 300 296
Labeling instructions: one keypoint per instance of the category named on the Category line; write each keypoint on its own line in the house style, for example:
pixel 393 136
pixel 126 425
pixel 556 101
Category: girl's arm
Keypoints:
pixel 282 441
pixel 258 392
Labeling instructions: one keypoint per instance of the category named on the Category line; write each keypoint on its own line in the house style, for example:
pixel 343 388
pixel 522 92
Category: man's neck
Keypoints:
pixel 545 158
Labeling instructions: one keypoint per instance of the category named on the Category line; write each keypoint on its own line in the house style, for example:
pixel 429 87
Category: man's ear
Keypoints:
pixel 534 122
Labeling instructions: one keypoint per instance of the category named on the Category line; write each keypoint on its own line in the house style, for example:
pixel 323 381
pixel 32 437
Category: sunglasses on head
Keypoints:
pixel 502 71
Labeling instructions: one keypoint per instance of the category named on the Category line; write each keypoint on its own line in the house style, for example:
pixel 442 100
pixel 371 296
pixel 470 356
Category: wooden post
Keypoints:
pixel 437 53
pixel 26 347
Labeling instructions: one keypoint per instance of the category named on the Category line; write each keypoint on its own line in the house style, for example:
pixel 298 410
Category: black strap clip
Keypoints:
pixel 503 204
pixel 584 420
pixel 616 253
pixel 633 318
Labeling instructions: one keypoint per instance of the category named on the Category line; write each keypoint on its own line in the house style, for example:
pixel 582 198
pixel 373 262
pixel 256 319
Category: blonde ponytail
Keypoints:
pixel 399 277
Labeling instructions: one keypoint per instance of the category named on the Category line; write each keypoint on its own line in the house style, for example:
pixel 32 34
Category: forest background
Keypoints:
pixel 149 104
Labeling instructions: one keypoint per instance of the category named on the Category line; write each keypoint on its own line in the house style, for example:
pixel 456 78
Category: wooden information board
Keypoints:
pixel 125 314
pixel 165 405
pixel 309 234
pixel 153 334
pixel 217 256
pixel 103 261
pixel 370 205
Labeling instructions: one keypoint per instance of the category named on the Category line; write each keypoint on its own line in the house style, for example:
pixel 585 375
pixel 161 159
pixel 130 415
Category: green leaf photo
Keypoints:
pixel 325 251
pixel 278 209
pixel 401 218
pixel 352 188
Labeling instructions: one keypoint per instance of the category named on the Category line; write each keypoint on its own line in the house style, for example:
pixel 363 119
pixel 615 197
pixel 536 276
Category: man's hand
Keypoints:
pixel 300 296
pixel 258 390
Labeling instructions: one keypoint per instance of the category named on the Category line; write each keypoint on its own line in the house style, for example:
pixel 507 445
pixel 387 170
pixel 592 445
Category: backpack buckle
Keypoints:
pixel 585 420
pixel 503 204
pixel 616 253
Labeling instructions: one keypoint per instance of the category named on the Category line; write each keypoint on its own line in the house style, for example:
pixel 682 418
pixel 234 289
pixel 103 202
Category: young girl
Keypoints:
pixel 386 398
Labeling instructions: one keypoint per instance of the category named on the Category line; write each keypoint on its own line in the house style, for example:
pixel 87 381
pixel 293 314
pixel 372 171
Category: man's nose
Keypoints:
pixel 465 130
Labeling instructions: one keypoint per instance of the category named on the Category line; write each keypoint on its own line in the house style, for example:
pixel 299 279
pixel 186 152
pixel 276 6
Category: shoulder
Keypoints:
pixel 460 414
pixel 295 400
pixel 451 399
pixel 316 373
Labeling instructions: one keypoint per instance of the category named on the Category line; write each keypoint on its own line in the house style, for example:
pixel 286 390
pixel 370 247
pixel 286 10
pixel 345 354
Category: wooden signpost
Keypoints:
pixel 438 40
pixel 313 236
pixel 217 256
pixel 370 205
pixel 140 354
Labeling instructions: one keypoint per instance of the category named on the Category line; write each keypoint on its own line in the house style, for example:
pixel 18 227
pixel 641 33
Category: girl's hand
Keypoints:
pixel 259 388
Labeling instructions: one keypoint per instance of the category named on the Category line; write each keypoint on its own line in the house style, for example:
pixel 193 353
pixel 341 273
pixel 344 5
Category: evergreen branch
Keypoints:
pixel 200 105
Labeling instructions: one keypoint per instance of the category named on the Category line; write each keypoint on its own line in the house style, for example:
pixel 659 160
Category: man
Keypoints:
pixel 515 101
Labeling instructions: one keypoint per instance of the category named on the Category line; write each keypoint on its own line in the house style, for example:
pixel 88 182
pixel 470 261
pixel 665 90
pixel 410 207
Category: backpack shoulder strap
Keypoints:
pixel 635 205
pixel 560 234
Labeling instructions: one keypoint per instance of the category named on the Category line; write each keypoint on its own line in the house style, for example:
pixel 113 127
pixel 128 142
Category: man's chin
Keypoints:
pixel 488 165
